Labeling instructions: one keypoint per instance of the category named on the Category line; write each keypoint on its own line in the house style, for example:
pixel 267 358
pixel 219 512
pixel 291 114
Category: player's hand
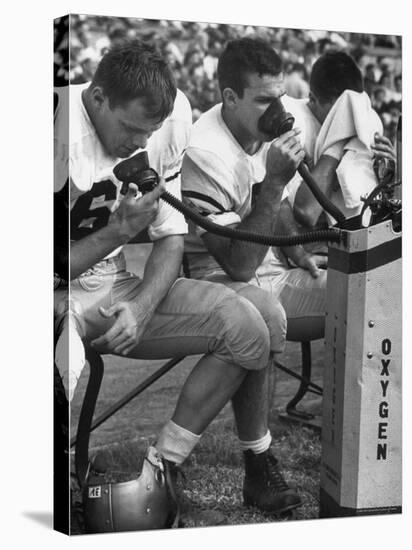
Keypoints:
pixel 284 156
pixel 135 214
pixel 126 331
pixel 313 263
pixel 383 148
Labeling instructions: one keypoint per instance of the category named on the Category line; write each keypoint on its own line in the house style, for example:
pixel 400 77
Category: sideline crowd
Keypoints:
pixel 193 49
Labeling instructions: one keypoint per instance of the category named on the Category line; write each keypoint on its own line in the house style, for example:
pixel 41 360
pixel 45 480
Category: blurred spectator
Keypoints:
pixel 385 82
pixel 193 62
pixel 397 92
pixel 369 80
pixel 296 81
pixel 173 55
pixel 211 58
pixel 192 49
pixel 392 117
pixel 88 60
pixel 389 111
pixel 379 102
pixel 61 52
pixel 209 95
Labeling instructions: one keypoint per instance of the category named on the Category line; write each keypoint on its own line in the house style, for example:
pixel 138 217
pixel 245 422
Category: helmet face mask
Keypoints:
pixel 140 504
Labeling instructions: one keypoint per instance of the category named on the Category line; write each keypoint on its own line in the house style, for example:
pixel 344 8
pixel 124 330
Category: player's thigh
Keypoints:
pixel 199 317
pixel 301 294
pixel 265 302
pixel 272 312
pixel 89 294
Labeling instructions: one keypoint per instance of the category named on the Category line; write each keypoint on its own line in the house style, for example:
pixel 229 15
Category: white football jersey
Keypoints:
pixel 220 179
pixel 95 192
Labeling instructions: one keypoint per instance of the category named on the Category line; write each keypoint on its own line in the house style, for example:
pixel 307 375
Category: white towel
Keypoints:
pixel 347 134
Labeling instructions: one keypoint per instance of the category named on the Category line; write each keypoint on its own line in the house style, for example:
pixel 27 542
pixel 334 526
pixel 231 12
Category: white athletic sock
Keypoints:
pixel 69 355
pixel 258 445
pixel 176 443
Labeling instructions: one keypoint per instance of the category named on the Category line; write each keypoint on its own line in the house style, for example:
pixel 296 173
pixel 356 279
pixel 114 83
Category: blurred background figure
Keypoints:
pixel 369 79
pixel 192 50
pixel 87 60
pixel 296 81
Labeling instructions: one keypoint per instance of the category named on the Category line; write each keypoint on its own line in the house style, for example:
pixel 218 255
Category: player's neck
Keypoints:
pixel 90 110
pixel 88 105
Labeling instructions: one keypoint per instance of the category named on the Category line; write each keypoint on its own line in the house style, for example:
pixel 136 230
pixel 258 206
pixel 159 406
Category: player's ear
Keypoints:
pixel 229 97
pixel 312 98
pixel 315 106
pixel 98 97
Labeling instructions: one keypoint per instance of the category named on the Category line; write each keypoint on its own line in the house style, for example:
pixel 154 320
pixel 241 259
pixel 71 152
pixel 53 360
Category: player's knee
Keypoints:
pixel 245 335
pixel 273 314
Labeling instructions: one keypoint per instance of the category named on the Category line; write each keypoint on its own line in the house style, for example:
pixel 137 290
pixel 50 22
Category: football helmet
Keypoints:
pixel 147 502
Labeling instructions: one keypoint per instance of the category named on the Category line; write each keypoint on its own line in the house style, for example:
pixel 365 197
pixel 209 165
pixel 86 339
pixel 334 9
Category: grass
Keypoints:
pixel 214 471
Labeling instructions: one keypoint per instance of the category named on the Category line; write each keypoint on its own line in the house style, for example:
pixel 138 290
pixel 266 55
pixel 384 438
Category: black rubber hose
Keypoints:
pixel 136 170
pixel 322 199
pixel 331 235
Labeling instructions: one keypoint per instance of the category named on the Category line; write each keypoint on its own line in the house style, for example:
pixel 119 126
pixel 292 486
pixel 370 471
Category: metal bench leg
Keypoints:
pixel 86 415
pixel 303 387
pixel 301 416
pixel 131 395
pixel 86 424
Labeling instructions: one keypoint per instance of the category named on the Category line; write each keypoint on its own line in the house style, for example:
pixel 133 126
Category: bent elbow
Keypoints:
pixel 242 275
pixel 245 276
pixel 306 217
pixel 310 221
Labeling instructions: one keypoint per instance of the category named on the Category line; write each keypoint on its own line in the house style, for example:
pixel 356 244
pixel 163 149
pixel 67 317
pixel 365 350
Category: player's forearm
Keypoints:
pixel 261 219
pixel 130 218
pixel 306 208
pixel 86 252
pixel 240 259
pixel 161 271
pixel 264 214
pixel 286 225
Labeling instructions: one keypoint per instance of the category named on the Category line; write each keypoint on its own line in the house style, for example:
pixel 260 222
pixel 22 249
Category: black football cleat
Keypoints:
pixel 265 487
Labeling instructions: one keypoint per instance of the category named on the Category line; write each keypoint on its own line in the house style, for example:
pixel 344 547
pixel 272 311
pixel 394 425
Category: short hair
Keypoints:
pixel 332 74
pixel 133 70
pixel 243 57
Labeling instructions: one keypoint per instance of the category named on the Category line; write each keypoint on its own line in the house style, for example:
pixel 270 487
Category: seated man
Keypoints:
pixel 342 137
pixel 131 97
pixel 236 175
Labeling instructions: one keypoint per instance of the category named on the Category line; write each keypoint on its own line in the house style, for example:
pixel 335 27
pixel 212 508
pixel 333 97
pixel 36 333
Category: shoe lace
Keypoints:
pixel 275 477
